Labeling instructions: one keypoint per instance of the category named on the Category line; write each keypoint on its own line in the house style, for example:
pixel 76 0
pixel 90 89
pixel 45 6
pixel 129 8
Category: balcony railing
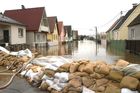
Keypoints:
pixel 44 29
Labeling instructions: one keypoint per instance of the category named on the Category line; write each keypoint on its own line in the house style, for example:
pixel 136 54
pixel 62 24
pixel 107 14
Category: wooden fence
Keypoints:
pixel 133 46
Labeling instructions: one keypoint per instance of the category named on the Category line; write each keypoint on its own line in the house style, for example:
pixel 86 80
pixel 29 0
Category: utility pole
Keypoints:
pixel 96 38
pixel 96 32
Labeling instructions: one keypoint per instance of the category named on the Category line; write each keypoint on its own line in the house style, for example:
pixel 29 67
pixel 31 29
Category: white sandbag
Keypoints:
pixel 63 77
pixel 45 77
pixel 14 53
pixel 131 69
pixel 4 50
pixel 26 52
pixel 62 85
pixel 23 73
pixel 39 62
pixel 50 66
pixel 126 90
pixel 56 87
pixel 49 82
pixel 86 90
pixel 50 62
pixel 31 74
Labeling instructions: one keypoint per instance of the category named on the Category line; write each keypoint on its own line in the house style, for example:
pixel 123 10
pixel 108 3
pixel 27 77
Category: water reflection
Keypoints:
pixel 89 50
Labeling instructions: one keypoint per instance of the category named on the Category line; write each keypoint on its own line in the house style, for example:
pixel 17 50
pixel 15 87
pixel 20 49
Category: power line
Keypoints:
pixel 116 16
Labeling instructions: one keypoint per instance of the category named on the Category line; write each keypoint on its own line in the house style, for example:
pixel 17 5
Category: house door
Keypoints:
pixel 6 36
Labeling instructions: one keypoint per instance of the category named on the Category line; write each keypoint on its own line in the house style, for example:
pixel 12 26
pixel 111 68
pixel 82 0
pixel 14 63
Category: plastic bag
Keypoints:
pixel 4 50
pixel 131 69
pixel 126 90
pixel 50 62
pixel 86 90
pixel 26 52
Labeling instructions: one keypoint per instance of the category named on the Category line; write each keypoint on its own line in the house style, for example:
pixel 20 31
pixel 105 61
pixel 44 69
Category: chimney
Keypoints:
pixel 134 4
pixel 22 7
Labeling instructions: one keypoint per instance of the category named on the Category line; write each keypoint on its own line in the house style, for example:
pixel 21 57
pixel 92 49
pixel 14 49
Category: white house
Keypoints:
pixel 11 31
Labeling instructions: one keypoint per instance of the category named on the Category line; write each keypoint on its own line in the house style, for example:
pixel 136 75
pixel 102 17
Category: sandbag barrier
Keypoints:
pixel 83 76
pixel 14 62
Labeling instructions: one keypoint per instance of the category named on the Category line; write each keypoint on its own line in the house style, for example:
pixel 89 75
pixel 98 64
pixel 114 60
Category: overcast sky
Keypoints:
pixel 83 15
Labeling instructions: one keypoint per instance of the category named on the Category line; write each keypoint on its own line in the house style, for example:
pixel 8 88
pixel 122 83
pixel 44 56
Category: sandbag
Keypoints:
pixel 122 63
pixel 74 67
pixel 129 82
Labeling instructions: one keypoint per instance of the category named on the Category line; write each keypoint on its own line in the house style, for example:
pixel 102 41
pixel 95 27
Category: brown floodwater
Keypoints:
pixel 87 49
pixel 74 50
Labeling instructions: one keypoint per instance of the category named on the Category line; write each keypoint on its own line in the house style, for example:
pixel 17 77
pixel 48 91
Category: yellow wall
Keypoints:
pixel 49 37
pixel 123 30
pixel 53 36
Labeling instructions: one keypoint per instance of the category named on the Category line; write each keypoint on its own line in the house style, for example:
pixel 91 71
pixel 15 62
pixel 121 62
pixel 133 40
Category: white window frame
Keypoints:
pixel 20 32
pixel 132 33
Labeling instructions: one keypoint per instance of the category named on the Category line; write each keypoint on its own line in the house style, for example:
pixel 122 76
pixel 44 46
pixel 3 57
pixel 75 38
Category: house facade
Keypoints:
pixel 75 34
pixel 36 23
pixel 11 32
pixel 134 29
pixel 61 32
pixel 68 31
pixel 122 28
pixel 53 35
pixel 111 33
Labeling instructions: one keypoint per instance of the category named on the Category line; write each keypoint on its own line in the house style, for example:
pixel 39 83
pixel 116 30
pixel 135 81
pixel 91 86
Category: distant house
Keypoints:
pixel 112 33
pixel 68 31
pixel 61 32
pixel 74 34
pixel 53 36
pixel 36 23
pixel 11 32
pixel 122 28
pixel 134 29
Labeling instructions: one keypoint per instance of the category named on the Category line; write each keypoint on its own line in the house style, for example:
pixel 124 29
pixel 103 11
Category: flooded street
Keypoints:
pixel 74 50
pixel 87 49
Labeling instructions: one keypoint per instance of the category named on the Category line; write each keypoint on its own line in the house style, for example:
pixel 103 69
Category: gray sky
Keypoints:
pixel 83 15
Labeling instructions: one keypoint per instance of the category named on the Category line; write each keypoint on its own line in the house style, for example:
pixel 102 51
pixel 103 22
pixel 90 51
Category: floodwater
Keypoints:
pixel 74 50
pixel 87 49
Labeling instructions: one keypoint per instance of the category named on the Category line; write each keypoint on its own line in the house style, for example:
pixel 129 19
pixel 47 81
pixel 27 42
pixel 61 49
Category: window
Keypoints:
pixel 38 37
pixel 20 32
pixel 132 33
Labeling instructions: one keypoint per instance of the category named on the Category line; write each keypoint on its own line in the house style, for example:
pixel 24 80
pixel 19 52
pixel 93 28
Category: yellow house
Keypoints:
pixel 53 35
pixel 122 27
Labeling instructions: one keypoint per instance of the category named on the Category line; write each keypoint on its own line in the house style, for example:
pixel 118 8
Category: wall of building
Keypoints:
pixel 55 34
pixel 123 30
pixel 49 37
pixel 136 34
pixel 40 37
pixel 14 37
pixel 30 38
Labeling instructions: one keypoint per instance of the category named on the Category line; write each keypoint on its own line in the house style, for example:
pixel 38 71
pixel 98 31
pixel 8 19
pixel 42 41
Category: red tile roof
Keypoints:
pixel 52 21
pixel 31 17
pixel 60 26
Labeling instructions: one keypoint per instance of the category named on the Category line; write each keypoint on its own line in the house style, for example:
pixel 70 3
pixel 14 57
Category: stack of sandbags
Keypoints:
pixel 13 62
pixel 94 76
pixel 2 55
pixel 33 74
pixel 99 77
pixel 51 79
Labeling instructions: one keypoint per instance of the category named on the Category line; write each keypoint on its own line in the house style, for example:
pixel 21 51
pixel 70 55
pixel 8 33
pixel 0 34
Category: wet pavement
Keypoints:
pixel 74 50
pixel 20 85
